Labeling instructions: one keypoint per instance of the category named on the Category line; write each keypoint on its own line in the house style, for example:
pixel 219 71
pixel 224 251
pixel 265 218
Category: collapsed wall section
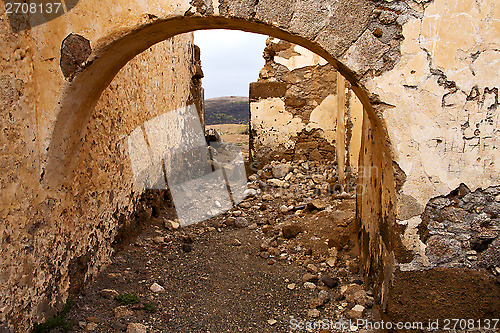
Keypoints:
pixel 302 108
pixel 54 240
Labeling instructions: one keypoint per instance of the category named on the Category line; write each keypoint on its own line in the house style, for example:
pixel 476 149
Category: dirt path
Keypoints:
pixel 278 256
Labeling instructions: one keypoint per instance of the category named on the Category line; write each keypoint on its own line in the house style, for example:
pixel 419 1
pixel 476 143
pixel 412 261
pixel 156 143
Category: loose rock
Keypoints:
pixel 312 268
pixel 241 222
pixel 331 262
pixel 356 312
pixel 159 240
pixel 324 296
pixel 291 230
pixel 136 328
pixel 122 311
pixel 315 302
pixel 316 204
pixel 313 313
pixel 267 197
pixel 108 293
pixel 250 192
pixel 276 182
pixel 308 277
pixel 156 288
pixel 245 204
pixel 309 285
pixel 281 170
pixel 330 282
pixel 354 293
pixel 284 209
pixel 171 225
pixel 272 321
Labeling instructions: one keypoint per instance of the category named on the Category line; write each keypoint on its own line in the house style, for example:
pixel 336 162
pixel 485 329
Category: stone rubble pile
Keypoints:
pixel 299 220
pixel 282 199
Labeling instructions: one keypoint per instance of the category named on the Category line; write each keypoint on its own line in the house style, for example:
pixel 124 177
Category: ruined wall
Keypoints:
pixel 53 240
pixel 440 106
pixel 294 108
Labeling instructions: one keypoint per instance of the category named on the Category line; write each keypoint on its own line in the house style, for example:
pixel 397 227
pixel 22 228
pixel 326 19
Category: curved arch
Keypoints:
pixel 112 52
pixel 379 237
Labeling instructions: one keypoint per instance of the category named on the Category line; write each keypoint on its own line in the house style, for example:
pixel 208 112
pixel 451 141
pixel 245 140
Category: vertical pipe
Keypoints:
pixel 340 147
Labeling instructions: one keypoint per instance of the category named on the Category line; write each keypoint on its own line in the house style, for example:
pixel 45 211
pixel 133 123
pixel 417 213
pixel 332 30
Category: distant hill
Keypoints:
pixel 227 110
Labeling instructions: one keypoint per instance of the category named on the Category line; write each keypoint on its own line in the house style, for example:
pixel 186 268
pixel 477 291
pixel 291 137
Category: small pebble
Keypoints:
pixel 309 285
pixel 313 313
pixel 187 247
pixel 271 322
pixel 156 288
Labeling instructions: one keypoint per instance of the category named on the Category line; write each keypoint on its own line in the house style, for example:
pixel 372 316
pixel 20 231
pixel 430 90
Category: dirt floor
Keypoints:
pixel 285 255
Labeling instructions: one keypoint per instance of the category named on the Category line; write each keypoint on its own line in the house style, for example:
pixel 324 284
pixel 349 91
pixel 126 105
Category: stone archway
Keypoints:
pixel 113 51
pixel 435 89
pixel 341 39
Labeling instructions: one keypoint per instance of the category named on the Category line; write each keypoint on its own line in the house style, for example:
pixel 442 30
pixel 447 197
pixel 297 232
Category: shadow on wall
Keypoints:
pixel 23 15
pixel 169 156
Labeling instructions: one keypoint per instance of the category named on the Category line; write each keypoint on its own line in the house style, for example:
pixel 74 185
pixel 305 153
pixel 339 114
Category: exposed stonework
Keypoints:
pixel 294 108
pixel 75 49
pixel 461 229
pixel 442 133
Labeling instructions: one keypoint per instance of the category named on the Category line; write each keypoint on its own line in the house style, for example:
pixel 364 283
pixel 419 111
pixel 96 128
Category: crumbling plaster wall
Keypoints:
pixel 440 106
pixel 54 240
pixel 294 108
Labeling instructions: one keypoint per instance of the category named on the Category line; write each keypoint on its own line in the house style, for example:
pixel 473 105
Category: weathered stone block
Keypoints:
pixel 263 90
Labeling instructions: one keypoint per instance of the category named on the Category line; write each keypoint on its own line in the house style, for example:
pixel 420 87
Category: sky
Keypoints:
pixel 230 60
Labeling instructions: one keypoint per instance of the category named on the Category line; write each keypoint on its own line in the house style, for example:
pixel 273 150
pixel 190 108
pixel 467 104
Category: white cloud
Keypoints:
pixel 230 60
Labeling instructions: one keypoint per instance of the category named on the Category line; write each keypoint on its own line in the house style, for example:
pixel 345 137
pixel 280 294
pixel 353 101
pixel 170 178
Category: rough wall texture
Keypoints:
pixel 440 106
pixel 429 89
pixel 294 108
pixel 53 240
